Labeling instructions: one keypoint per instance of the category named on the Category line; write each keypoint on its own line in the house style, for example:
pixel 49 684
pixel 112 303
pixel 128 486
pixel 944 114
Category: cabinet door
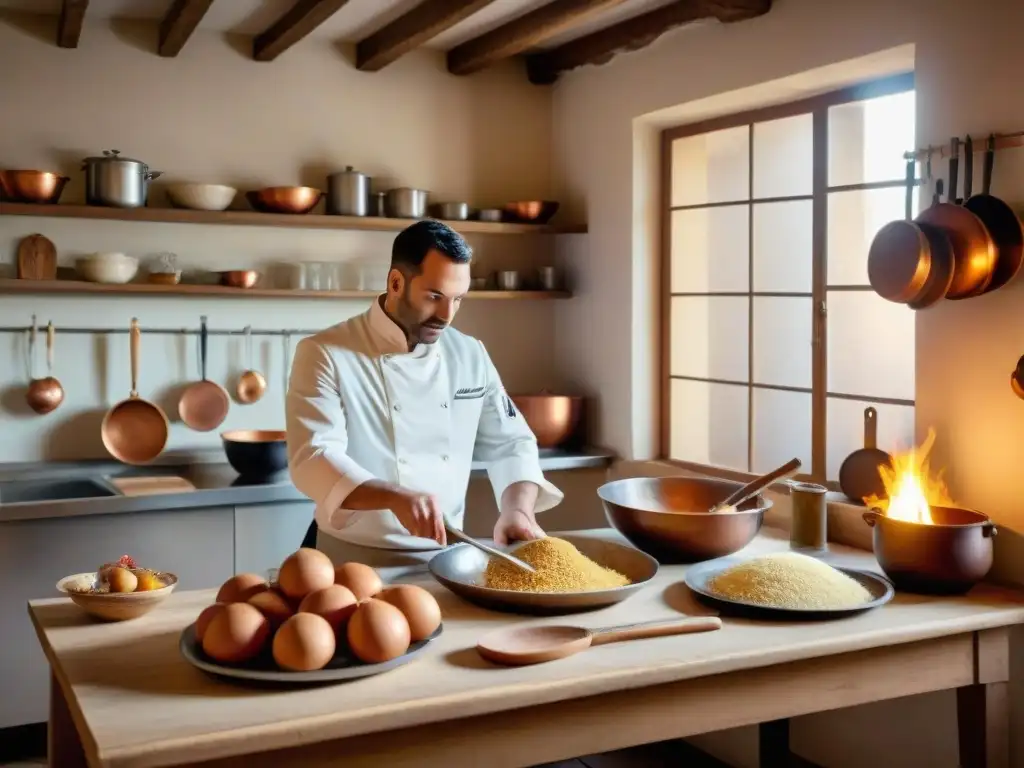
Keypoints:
pixel 265 534
pixel 35 554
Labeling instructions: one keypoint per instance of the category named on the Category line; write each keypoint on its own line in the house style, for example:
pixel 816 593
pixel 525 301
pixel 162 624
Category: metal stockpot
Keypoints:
pixel 348 193
pixel 117 182
pixel 406 203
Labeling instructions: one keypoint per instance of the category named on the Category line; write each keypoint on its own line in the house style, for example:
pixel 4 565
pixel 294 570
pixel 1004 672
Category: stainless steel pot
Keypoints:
pixel 116 181
pixel 348 193
pixel 452 211
pixel 406 203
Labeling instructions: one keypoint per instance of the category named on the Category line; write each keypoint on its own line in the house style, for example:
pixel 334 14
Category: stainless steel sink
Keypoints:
pixel 23 491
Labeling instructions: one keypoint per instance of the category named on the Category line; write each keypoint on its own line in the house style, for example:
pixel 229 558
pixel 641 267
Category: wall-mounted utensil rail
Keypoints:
pixel 159 331
pixel 1002 141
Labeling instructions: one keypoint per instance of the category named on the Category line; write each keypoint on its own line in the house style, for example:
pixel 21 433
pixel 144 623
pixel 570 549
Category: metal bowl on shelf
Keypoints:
pixel 239 278
pixel 284 199
pixel 553 418
pixel 667 517
pixel 41 187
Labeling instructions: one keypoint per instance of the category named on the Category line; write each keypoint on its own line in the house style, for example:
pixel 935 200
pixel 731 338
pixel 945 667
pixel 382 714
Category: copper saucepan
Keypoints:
pixel 204 404
pixel 1000 219
pixel 974 253
pixel 135 431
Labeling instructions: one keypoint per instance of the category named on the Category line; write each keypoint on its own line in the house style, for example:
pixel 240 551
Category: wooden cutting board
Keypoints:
pixel 146 486
pixel 37 258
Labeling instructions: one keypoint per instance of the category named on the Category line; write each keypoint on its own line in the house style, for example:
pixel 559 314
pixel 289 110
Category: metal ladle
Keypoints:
pixel 45 394
pixel 251 384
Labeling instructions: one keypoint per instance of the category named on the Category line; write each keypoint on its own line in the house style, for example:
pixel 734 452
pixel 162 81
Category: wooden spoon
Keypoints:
pixel 535 645
pixel 251 384
pixel 755 486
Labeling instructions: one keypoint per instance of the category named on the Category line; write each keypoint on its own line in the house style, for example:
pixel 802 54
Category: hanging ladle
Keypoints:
pixel 45 394
pixel 251 384
pixel 754 487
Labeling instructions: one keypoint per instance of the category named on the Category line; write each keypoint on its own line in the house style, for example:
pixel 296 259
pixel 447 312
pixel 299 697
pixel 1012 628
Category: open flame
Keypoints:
pixel 911 489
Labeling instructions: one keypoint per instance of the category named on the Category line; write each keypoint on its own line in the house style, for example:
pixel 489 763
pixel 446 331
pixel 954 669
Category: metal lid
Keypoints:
pixel 111 155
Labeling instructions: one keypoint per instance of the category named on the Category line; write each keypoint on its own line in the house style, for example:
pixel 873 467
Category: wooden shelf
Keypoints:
pixel 253 218
pixel 10 285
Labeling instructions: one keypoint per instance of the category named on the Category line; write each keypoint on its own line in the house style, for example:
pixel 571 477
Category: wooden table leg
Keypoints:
pixel 63 745
pixel 773 747
pixel 983 721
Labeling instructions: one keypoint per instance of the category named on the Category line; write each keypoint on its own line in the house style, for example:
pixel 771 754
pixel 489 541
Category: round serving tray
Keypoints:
pixel 698 576
pixel 342 667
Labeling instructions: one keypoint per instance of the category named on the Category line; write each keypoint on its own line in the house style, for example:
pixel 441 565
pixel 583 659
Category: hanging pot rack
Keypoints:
pixel 939 151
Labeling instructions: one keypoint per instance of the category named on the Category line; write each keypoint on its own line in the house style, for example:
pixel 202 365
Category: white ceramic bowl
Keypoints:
pixel 113 268
pixel 201 197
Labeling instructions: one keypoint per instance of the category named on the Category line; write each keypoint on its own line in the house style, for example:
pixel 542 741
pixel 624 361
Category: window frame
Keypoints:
pixel 818 106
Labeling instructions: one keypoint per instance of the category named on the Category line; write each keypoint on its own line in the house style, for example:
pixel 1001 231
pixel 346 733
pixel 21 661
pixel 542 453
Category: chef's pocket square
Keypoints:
pixel 470 393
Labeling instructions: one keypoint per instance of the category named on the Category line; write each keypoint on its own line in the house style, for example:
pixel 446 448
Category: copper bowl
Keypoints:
pixel 947 557
pixel 553 418
pixel 667 517
pixel 240 278
pixel 284 199
pixel 40 187
pixel 531 211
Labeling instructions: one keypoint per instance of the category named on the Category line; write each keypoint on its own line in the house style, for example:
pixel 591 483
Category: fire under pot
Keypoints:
pixel 923 540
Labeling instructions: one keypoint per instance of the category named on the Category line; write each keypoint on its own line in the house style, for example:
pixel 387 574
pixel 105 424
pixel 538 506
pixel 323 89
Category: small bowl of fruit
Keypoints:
pixel 118 591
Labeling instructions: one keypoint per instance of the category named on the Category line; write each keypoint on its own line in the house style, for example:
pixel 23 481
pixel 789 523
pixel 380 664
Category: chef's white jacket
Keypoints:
pixel 361 407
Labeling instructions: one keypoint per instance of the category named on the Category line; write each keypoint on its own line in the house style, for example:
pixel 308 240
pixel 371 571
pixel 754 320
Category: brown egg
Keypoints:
pixel 305 571
pixel 378 632
pixel 361 579
pixel 334 603
pixel 304 642
pixel 205 617
pixel 239 588
pixel 273 605
pixel 122 580
pixel 236 633
pixel 418 606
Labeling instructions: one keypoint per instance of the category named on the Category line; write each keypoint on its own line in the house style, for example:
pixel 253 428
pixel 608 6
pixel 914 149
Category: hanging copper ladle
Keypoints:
pixel 1017 379
pixel 251 384
pixel 45 394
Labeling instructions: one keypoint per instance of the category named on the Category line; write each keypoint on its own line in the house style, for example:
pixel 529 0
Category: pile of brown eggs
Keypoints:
pixel 311 612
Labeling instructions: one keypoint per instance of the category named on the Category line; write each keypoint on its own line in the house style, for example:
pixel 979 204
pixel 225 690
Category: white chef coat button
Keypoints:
pixel 444 458
pixel 401 461
pixel 398 407
pixel 444 404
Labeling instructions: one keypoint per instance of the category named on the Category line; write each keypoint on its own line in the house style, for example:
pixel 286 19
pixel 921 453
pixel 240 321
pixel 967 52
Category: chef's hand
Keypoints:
pixel 516 525
pixel 419 514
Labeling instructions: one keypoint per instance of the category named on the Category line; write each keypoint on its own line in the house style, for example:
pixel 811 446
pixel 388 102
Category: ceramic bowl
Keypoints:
pixel 114 606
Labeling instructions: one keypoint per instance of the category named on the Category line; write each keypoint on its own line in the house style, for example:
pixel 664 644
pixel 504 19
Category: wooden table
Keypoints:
pixel 122 696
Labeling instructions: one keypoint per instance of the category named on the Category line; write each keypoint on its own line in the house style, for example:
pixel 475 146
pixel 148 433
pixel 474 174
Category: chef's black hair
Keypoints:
pixel 413 243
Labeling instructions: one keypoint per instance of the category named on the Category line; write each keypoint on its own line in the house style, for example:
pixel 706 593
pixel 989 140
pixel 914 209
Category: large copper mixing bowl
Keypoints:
pixel 284 199
pixel 553 418
pixel 531 211
pixel 667 517
pixel 32 186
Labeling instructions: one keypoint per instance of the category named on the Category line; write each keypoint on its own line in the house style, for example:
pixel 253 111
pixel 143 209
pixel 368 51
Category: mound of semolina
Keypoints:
pixel 560 568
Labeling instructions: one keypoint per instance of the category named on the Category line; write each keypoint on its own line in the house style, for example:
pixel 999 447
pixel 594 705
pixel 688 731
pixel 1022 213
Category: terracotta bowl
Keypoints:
pixel 115 606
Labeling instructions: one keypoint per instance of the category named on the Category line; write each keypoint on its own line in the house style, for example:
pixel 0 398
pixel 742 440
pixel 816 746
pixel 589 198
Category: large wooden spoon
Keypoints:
pixel 535 645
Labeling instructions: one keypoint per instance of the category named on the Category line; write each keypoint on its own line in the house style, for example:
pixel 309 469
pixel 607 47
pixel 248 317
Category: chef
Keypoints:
pixel 387 411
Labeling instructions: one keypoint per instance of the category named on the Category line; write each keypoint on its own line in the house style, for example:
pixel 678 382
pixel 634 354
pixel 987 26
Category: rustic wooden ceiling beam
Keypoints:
pixel 297 22
pixel 179 23
pixel 600 47
pixel 411 30
pixel 520 34
pixel 69 28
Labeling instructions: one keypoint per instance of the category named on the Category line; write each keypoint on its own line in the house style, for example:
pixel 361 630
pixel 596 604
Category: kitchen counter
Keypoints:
pixel 216 485
pixel 134 702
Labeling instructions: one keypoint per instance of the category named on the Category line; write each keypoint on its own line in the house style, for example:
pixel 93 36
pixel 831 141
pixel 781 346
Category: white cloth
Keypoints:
pixel 360 407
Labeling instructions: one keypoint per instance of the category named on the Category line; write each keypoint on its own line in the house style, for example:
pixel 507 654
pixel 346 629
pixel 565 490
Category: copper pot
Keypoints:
pixel 532 211
pixel 32 186
pixel 240 278
pixel 553 418
pixel 947 557
pixel 284 199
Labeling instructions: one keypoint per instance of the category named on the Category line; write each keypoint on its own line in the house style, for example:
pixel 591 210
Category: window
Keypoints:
pixel 773 341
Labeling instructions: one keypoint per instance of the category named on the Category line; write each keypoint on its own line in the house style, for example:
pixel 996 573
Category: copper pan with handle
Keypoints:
pixel 974 253
pixel 204 404
pixel 135 430
pixel 999 218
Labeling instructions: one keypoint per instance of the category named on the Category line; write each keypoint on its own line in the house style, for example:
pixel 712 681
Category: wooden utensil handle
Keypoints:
pixel 655 629
pixel 757 485
pixel 870 428
pixel 136 342
pixel 50 333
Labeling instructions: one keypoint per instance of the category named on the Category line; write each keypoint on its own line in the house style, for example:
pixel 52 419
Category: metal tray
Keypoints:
pixel 460 568
pixel 697 578
pixel 263 669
